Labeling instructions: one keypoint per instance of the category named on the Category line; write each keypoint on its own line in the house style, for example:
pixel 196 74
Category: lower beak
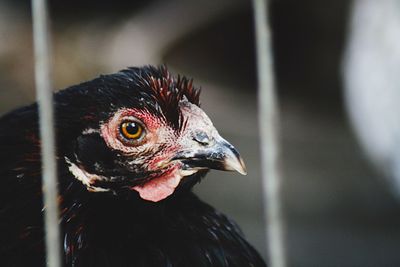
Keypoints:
pixel 219 156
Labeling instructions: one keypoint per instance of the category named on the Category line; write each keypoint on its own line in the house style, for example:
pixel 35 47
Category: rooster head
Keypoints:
pixel 140 129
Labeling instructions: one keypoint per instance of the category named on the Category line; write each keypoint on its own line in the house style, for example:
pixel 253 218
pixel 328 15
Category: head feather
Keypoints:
pixel 167 91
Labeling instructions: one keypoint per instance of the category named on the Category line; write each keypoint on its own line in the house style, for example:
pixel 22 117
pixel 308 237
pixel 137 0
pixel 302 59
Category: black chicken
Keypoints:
pixel 130 147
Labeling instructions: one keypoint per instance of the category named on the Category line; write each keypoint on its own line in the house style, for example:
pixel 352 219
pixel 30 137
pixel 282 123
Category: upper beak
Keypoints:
pixel 221 155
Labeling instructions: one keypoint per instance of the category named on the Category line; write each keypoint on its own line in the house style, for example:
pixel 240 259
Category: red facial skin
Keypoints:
pixel 157 137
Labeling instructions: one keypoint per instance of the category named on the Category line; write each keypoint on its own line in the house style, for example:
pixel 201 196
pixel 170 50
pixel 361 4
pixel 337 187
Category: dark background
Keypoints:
pixel 338 210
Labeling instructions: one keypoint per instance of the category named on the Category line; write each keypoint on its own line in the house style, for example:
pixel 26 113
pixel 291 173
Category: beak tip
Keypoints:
pixel 243 172
pixel 242 167
pixel 237 164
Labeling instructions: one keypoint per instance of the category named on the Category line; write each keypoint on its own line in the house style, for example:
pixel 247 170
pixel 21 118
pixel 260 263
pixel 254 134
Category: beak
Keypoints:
pixel 219 156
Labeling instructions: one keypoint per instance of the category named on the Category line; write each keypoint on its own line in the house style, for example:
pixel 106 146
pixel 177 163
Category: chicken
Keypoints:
pixel 130 147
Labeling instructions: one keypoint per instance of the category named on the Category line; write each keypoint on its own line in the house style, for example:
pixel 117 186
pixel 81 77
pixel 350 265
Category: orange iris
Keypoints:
pixel 131 130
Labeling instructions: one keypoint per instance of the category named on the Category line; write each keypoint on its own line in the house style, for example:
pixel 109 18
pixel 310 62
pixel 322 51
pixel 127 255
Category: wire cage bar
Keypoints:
pixel 45 102
pixel 268 123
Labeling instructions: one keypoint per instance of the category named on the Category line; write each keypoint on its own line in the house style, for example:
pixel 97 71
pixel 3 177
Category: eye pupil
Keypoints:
pixel 131 130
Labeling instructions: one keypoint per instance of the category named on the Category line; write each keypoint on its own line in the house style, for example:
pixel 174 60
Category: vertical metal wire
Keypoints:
pixel 268 119
pixel 45 101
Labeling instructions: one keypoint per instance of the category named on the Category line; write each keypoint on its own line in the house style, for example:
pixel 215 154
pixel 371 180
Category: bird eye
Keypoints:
pixel 131 130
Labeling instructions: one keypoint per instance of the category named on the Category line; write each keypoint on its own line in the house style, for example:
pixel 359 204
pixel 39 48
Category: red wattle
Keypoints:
pixel 159 188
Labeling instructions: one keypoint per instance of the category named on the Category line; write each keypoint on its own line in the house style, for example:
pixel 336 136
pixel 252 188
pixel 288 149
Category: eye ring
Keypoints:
pixel 131 130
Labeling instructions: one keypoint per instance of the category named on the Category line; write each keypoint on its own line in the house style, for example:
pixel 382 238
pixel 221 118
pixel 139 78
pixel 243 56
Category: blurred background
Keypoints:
pixel 336 65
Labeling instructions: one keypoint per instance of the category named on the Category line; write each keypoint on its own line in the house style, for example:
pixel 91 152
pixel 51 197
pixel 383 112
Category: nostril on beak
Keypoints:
pixel 202 138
